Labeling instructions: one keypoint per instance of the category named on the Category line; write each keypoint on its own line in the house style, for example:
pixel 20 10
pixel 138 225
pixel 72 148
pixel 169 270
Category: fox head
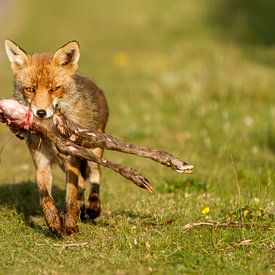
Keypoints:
pixel 42 80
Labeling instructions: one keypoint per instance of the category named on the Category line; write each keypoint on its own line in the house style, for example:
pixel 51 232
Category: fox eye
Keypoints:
pixel 54 89
pixel 30 89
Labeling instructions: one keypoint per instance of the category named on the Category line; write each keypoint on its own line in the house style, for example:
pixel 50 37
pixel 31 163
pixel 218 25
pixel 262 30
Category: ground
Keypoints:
pixel 186 77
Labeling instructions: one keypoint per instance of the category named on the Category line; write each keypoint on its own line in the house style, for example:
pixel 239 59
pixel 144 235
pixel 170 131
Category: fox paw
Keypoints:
pixel 58 231
pixel 93 209
pixel 70 230
pixel 83 216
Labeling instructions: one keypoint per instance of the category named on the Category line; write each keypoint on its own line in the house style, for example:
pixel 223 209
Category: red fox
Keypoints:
pixel 46 82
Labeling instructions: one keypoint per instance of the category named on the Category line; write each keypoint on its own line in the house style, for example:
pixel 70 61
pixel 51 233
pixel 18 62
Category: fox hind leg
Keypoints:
pixel 72 195
pixel 81 189
pixel 93 209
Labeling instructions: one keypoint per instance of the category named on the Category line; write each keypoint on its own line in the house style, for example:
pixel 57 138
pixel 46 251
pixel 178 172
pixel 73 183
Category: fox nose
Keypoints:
pixel 41 113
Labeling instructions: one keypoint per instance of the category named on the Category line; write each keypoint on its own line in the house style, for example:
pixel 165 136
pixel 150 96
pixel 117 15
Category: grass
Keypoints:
pixel 175 79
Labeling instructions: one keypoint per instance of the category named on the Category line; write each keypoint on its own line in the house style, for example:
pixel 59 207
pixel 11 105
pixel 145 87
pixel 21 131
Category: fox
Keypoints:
pixel 46 82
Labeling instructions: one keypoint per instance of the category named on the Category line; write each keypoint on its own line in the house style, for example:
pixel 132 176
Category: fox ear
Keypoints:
pixel 68 56
pixel 17 57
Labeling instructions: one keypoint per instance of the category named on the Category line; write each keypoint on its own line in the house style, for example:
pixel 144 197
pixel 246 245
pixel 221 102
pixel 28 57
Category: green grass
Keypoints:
pixel 178 79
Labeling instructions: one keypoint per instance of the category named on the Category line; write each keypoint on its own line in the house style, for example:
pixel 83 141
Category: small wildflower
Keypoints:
pixel 248 121
pixel 147 245
pixel 205 210
pixel 245 212
pixel 170 79
pixel 257 200
pixel 254 150
pixel 24 167
pixel 121 59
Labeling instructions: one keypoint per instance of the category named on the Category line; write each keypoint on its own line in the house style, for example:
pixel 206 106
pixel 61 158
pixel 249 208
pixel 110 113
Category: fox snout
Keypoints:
pixel 43 105
pixel 42 112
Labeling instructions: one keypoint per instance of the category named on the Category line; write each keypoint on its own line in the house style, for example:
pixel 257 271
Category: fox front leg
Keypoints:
pixel 42 163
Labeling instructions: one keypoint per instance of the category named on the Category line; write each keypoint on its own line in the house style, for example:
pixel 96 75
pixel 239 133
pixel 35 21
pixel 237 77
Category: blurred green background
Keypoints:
pixel 195 78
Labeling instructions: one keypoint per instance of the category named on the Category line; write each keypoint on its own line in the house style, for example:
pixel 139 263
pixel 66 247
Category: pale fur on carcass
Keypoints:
pixel 15 113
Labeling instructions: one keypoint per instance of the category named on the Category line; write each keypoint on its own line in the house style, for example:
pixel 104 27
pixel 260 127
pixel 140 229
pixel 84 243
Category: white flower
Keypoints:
pixel 248 121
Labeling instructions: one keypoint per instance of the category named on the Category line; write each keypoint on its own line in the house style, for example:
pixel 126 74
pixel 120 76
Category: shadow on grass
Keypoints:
pixel 23 197
pixel 246 21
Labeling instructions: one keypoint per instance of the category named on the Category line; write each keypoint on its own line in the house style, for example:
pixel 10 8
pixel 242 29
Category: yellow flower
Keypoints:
pixel 245 212
pixel 205 210
pixel 121 59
